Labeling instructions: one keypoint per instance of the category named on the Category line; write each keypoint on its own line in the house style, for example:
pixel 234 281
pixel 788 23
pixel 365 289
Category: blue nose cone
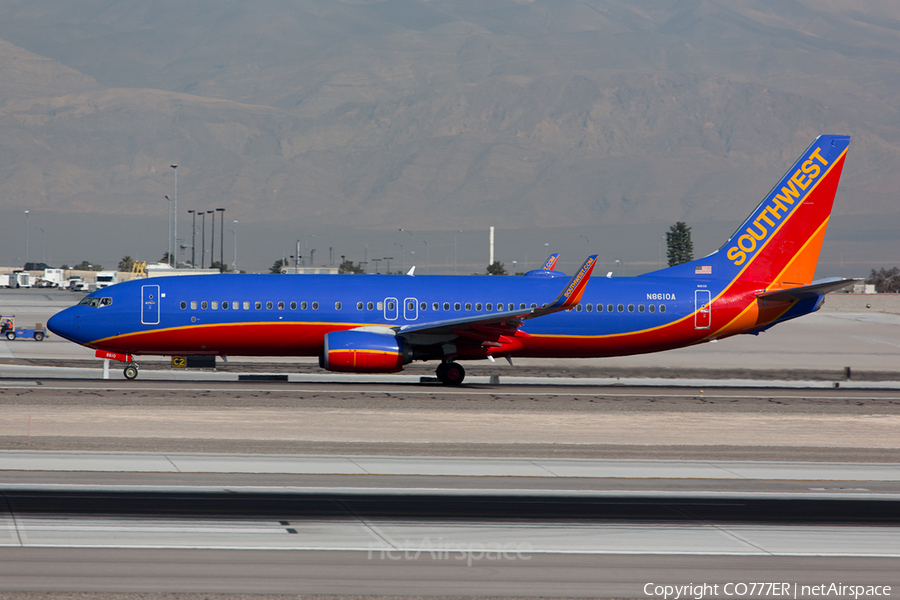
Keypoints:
pixel 63 325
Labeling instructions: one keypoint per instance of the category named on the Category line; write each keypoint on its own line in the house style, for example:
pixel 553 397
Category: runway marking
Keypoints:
pixel 638 392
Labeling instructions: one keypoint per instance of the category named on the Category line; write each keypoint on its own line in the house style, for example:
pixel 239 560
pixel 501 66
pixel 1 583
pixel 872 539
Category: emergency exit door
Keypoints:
pixel 702 307
pixel 150 304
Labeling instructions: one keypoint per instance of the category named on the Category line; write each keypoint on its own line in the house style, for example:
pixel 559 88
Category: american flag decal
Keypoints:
pixel 704 270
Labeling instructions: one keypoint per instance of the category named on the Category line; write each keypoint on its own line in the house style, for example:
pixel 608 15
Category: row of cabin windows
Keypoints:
pixel 204 305
pixel 621 308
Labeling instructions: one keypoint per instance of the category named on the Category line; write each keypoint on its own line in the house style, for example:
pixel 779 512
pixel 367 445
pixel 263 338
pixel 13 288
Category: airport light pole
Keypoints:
pixel 212 237
pixel 412 250
pixel 306 247
pixel 376 261
pixel 202 238
pixel 222 241
pixel 403 254
pixel 455 235
pixel 193 214
pixel 388 259
pixel 43 246
pixel 234 246
pixel 175 217
pixel 169 240
pixel 426 255
pixel 26 236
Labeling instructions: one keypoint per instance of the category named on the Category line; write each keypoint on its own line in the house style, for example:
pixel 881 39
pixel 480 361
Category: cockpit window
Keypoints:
pixel 96 302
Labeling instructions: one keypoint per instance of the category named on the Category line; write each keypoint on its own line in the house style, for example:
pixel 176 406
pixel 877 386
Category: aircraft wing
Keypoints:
pixel 509 320
pixel 816 288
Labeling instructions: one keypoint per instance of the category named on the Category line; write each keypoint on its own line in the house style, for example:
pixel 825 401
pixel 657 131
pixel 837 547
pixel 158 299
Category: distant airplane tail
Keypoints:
pixel 778 245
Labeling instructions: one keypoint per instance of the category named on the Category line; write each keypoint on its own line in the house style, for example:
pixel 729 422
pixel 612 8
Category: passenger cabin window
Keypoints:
pixel 215 305
pixel 370 305
pixel 281 306
pixel 631 308
pixel 359 306
pixel 269 305
pixel 257 305
pixel 578 307
pixel 315 306
pixel 304 305
pixel 620 308
pixel 456 306
pixel 225 305
pixel 337 306
pixel 246 305
pixel 652 308
pixel 589 307
pixel 662 308
pixel 435 306
pixel 183 305
pixel 489 306
pixel 640 308
pixel 235 305
pixel 204 305
pixel 609 307
pixel 446 306
pixel 468 306
pixel 193 305
pixel 478 306
pixel 423 306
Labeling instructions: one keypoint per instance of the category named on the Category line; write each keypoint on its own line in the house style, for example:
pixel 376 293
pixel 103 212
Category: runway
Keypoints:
pixel 399 525
pixel 557 488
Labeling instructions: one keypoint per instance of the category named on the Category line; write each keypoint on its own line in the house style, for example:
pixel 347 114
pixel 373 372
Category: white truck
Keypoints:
pixel 8 281
pixel 107 278
pixel 52 278
pixel 23 280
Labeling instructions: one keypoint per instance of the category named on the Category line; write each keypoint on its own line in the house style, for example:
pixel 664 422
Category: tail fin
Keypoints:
pixel 779 243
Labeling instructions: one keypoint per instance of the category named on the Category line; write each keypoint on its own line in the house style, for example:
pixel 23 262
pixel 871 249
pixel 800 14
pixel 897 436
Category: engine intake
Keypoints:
pixel 364 352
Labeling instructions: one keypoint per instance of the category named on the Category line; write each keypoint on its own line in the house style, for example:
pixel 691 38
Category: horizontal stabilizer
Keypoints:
pixel 816 288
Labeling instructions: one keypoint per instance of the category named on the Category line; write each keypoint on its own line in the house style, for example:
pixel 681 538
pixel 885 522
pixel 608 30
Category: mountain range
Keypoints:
pixel 434 116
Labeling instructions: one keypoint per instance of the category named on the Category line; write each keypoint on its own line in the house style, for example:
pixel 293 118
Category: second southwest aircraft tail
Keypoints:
pixel 778 245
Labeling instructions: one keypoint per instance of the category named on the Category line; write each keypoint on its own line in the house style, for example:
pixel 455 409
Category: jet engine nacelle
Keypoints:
pixel 364 352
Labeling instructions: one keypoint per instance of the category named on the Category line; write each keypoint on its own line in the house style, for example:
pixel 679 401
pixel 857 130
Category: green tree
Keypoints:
pixel 349 267
pixel 126 263
pixel 497 269
pixel 223 268
pixel 887 281
pixel 86 266
pixel 279 264
pixel 165 258
pixel 679 244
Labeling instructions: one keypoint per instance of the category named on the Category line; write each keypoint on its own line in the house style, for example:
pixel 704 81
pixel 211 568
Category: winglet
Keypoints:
pixel 571 294
pixel 551 262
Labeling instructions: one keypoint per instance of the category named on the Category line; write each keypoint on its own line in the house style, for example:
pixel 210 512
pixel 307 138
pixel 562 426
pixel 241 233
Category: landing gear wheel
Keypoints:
pixel 451 373
pixel 38 336
pixel 131 372
pixel 10 335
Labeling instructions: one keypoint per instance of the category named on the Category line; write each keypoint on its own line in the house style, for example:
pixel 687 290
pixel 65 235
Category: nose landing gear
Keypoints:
pixel 450 373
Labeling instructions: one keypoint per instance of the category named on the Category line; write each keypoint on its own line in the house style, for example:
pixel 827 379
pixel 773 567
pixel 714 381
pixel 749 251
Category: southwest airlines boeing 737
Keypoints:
pixel 762 276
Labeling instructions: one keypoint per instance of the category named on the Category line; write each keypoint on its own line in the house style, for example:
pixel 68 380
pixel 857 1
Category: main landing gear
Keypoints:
pixel 450 373
pixel 131 371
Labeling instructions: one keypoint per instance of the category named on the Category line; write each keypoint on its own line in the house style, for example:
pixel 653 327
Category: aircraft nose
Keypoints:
pixel 63 325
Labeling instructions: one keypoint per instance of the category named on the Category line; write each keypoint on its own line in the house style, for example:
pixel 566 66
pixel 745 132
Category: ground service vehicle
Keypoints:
pixel 761 276
pixel 107 278
pixel 8 328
